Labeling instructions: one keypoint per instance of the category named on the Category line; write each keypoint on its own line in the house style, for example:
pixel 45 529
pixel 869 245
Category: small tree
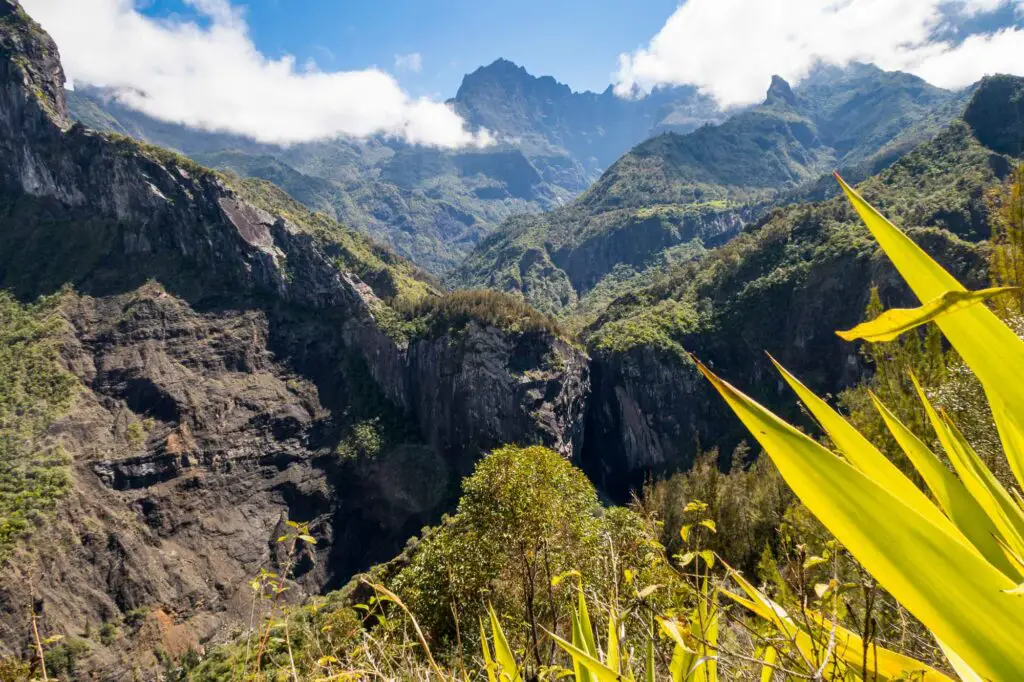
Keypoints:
pixel 526 516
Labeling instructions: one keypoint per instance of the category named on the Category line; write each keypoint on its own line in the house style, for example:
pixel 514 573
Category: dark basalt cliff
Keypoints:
pixel 224 354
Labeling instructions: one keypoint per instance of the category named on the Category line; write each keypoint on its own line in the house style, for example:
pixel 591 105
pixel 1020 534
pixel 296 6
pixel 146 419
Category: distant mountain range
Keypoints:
pixel 583 193
pixel 673 195
pixel 431 205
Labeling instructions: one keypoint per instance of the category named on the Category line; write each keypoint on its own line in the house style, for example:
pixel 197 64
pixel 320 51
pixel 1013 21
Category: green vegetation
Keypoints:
pixel 364 440
pixel 788 258
pixel 533 567
pixel 434 315
pixel 675 189
pixel 34 391
pixel 166 157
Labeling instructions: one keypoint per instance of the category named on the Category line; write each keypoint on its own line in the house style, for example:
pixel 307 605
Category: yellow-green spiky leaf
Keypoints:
pixel 488 661
pixel 859 452
pixel 612 655
pixel 991 349
pixel 954 498
pixel 596 669
pixel 502 651
pixel 895 321
pixel 849 647
pixel 943 580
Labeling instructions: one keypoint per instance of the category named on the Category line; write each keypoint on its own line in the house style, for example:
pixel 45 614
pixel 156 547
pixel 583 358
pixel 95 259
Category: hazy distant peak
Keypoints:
pixel 779 91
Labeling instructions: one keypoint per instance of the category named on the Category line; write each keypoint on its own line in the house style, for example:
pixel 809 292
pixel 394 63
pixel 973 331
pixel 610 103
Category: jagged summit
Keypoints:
pixel 507 76
pixel 780 91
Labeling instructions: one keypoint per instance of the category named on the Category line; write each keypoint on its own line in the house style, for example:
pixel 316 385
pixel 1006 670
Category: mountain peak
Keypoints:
pixel 502 65
pixel 509 77
pixel 779 91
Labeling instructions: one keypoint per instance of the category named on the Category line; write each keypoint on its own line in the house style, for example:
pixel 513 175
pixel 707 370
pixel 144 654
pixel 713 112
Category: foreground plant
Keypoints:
pixel 955 562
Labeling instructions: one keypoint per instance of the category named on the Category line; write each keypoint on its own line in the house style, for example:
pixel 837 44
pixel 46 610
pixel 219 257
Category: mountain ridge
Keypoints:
pixel 437 216
pixel 673 189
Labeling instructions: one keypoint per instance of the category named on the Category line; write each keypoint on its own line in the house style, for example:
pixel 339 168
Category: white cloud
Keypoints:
pixel 212 76
pixel 730 48
pixel 409 62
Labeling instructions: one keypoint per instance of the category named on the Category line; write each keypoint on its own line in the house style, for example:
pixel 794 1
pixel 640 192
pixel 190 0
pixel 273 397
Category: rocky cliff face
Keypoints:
pixel 226 355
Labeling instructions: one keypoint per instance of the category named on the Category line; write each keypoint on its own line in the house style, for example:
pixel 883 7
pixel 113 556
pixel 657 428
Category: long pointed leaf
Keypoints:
pixel 585 625
pixel 612 655
pixel 918 562
pixel 488 661
pixel 768 659
pixel 960 506
pixel 849 646
pixel 502 651
pixel 599 671
pixel 991 349
pixel 859 451
pixel 896 321
pixel 578 641
pixel 976 477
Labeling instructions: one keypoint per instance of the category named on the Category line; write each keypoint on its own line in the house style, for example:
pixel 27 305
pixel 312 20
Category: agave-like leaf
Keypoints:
pixel 488 661
pixel 960 506
pixel 705 629
pixel 768 657
pixel 943 580
pixel 586 627
pixel 991 349
pixel 1001 508
pixel 578 641
pixel 502 651
pixel 896 321
pixel 963 671
pixel 775 614
pixel 859 452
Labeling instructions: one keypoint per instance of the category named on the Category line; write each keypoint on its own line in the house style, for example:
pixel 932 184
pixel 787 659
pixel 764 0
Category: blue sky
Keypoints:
pixel 576 41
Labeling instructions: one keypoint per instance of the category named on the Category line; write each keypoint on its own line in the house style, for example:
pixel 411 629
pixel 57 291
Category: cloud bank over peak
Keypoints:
pixel 730 49
pixel 210 75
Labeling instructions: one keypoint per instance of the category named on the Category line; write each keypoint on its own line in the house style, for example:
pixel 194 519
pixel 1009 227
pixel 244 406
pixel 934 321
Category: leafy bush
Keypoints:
pixel 526 515
pixel 364 440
